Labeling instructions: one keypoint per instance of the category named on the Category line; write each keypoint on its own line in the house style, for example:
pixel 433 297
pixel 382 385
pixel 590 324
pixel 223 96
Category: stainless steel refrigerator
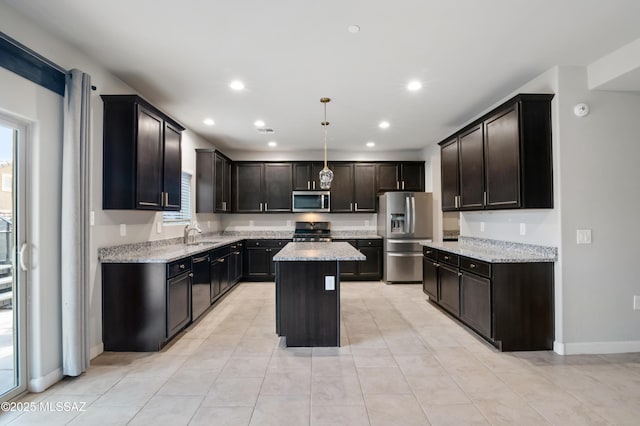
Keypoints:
pixel 404 219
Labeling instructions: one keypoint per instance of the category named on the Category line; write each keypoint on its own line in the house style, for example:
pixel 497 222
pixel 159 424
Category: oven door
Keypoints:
pixel 311 201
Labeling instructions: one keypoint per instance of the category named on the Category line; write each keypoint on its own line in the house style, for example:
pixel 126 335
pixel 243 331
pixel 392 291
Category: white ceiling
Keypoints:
pixel 182 55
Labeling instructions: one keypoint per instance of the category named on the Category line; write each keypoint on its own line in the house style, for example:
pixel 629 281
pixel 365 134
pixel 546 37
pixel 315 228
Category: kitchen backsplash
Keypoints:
pixel 286 221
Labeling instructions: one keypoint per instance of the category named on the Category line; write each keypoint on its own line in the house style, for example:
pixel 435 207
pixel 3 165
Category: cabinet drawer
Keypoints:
pixel 430 253
pixel 450 258
pixel 476 266
pixel 369 243
pixel 177 267
pixel 267 243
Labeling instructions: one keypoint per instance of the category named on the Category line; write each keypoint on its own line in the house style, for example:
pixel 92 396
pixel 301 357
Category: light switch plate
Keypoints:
pixel 523 229
pixel 636 303
pixel 123 230
pixel 159 227
pixel 481 226
pixel 329 282
pixel 92 218
pixel 583 236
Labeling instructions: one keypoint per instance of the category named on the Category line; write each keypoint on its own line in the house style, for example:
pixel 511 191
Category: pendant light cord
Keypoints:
pixel 324 124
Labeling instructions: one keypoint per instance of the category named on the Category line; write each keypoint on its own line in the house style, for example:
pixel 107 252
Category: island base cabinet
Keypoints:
pixel 307 314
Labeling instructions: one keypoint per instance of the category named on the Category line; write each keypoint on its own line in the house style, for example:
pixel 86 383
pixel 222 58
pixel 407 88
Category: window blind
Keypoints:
pixel 184 215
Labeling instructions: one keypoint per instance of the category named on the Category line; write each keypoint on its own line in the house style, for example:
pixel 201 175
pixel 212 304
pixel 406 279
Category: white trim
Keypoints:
pixel 96 350
pixel 596 347
pixel 40 384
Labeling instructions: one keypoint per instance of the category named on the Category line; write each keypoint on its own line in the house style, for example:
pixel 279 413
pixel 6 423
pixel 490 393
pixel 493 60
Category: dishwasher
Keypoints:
pixel 200 286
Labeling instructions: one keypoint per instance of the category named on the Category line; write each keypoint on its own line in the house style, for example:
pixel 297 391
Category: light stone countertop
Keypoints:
pixel 164 251
pixel 301 252
pixel 496 251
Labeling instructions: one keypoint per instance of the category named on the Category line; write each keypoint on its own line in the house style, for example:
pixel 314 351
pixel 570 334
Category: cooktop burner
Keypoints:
pixel 312 232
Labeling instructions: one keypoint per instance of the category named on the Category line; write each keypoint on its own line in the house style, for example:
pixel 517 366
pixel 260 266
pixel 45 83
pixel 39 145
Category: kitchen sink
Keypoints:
pixel 203 243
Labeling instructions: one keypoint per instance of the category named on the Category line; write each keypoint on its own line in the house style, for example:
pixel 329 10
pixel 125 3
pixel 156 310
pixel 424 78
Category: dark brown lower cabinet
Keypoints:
pixel 144 304
pixel 475 302
pixel 257 260
pixel 449 289
pixel 370 269
pixel 508 304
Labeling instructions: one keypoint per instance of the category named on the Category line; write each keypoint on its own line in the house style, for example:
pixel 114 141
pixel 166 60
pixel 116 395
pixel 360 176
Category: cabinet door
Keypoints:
pixel 205 182
pixel 449 296
pixel 172 168
pixel 301 176
pixel 370 269
pixel 178 303
pixel 412 177
pixel 257 262
pixel 502 159
pixel 247 188
pixel 449 175
pixel 388 177
pixel 150 160
pixel 475 302
pixel 364 192
pixel 471 169
pixel 342 188
pixel 277 185
pixel 315 175
pixel 430 278
pixel 348 269
pixel 224 273
pixel 223 184
pixel 216 274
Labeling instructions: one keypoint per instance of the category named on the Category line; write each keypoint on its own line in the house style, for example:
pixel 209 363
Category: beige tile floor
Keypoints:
pixel 402 362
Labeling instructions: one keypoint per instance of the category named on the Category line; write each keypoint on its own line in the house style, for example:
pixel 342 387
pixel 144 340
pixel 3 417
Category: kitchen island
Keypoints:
pixel 308 291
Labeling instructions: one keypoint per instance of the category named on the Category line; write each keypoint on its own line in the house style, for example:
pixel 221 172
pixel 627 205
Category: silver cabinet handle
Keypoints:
pixel 397 184
pixel 167 202
pixel 191 274
pixel 446 258
pixel 403 185
pixel 182 266
pixel 224 205
pixel 459 274
pixel 350 207
pixel 265 207
pixel 437 265
pixel 356 206
pixel 260 206
pixel 308 184
pixel 472 265
pixel 484 198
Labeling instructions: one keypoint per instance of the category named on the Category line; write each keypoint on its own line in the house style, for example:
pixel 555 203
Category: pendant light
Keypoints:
pixel 326 175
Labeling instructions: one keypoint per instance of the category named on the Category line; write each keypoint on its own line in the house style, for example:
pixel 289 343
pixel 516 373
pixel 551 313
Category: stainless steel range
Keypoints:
pixel 312 232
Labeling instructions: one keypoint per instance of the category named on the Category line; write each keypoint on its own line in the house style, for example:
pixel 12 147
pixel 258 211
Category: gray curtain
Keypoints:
pixel 74 241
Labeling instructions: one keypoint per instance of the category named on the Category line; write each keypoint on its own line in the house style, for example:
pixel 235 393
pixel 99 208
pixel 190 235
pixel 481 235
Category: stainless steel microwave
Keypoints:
pixel 311 201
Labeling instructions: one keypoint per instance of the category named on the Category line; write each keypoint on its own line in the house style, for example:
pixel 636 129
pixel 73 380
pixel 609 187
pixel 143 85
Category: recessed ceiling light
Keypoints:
pixel 414 85
pixel 237 85
pixel 353 29
pixel 258 123
pixel 209 121
pixel 371 144
pixel 384 125
pixel 272 144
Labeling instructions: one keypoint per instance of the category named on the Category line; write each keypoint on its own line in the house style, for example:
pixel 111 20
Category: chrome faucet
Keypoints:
pixel 187 231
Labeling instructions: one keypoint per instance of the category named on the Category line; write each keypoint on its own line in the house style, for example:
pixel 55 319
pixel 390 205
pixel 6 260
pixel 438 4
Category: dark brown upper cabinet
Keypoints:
pixel 400 176
pixel 450 175
pixel 504 159
pixel 261 187
pixel 142 156
pixel 213 182
pixel 306 176
pixel 470 148
pixel 353 189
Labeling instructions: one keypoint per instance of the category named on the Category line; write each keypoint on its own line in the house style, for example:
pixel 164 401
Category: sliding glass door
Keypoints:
pixel 13 257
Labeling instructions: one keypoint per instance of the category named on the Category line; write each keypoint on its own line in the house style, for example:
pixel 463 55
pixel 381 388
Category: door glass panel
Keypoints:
pixel 9 348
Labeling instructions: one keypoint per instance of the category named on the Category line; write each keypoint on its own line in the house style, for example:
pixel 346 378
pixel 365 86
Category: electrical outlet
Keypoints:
pixel 159 227
pixel 92 218
pixel 481 226
pixel 636 303
pixel 583 236
pixel 208 224
pixel 123 230
pixel 523 229
pixel 329 282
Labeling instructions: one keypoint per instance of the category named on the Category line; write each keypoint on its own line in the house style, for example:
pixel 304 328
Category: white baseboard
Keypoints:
pixel 39 384
pixel 96 350
pixel 595 348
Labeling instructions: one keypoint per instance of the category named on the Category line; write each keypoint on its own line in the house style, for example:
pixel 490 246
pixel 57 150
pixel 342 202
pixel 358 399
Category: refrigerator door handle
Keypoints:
pixel 407 221
pixel 413 215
